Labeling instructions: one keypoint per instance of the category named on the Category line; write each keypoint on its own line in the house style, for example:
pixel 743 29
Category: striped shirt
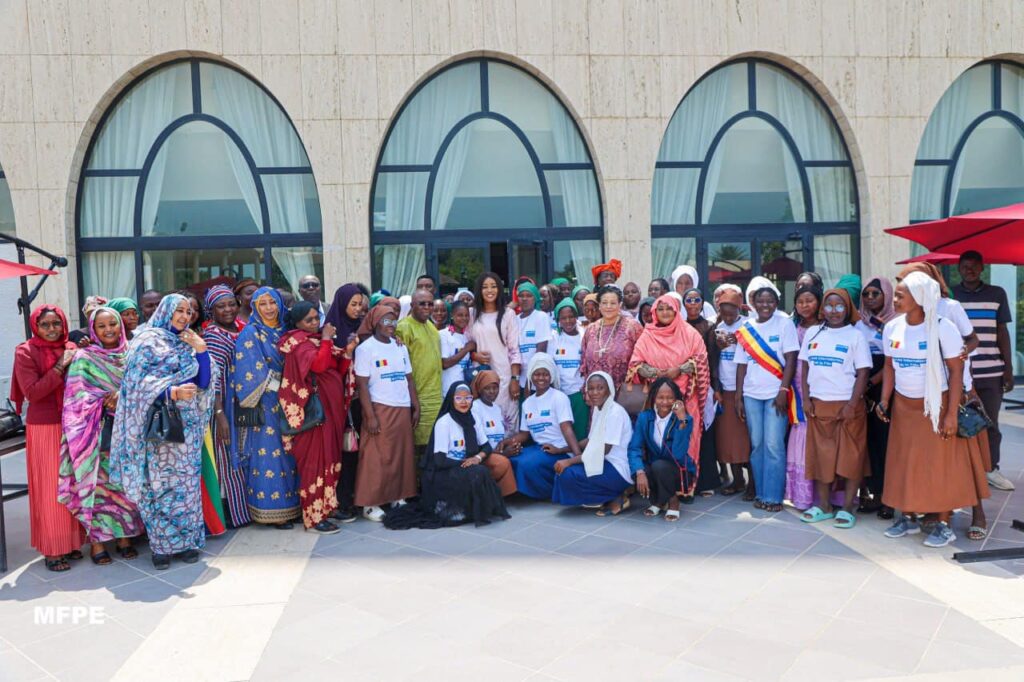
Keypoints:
pixel 987 308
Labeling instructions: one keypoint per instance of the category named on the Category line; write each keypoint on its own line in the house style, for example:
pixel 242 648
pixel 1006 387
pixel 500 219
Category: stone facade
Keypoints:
pixel 342 68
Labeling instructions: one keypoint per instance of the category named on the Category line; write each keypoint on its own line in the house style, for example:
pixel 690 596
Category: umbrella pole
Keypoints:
pixel 24 301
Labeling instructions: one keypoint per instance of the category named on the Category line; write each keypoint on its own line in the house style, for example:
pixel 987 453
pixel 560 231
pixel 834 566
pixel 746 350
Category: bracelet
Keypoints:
pixel 219 412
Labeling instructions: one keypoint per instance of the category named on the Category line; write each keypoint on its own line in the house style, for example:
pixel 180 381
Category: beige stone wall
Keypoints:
pixel 341 68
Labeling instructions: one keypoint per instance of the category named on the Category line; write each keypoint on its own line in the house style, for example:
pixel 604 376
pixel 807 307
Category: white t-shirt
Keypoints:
pixel 618 431
pixel 833 357
pixel 450 438
pixel 490 419
pixel 452 343
pixel 386 365
pixel 953 310
pixel 727 358
pixel 872 336
pixel 567 350
pixel 907 345
pixel 543 416
pixel 533 329
pixel 780 335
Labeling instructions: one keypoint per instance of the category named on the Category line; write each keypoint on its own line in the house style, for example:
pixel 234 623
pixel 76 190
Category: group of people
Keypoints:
pixel 199 411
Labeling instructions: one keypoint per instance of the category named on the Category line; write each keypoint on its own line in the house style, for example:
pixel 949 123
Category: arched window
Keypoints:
pixel 195 173
pixel 483 169
pixel 971 157
pixel 753 177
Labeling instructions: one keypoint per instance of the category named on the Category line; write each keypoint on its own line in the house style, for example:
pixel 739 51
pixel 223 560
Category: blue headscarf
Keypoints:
pixel 256 353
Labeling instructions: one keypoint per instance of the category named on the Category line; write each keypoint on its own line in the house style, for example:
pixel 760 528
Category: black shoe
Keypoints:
pixel 190 556
pixel 324 528
pixel 161 562
pixel 287 525
pixel 344 515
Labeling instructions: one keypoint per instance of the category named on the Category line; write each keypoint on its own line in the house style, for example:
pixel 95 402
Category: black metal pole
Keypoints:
pixel 23 302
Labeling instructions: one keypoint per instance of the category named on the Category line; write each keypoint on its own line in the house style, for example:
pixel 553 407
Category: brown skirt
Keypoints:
pixel 502 473
pixel 387 461
pixel 836 447
pixel 923 472
pixel 732 441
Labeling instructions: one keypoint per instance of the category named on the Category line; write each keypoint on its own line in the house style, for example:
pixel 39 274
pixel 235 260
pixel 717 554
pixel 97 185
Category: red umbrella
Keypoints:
pixel 935 258
pixel 10 269
pixel 997 234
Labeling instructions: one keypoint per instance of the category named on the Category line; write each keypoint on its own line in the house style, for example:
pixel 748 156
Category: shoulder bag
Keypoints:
pixel 163 423
pixel 313 415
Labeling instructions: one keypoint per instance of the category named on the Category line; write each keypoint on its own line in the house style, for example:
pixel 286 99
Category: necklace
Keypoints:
pixel 603 348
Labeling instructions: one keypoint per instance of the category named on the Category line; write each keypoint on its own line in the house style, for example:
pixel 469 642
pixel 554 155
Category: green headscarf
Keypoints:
pixel 559 281
pixel 851 283
pixel 577 290
pixel 376 298
pixel 564 303
pixel 532 288
pixel 123 304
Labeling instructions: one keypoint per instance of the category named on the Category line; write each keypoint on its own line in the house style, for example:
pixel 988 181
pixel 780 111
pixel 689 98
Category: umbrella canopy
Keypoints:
pixel 934 258
pixel 997 234
pixel 9 269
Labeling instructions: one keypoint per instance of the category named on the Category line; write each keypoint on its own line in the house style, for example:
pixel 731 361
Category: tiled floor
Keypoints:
pixel 552 594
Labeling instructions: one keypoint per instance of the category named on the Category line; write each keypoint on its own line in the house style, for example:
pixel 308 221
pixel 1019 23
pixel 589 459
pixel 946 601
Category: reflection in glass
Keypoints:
pixel 669 253
pixel 990 170
pixel 199 269
pixel 782 262
pixel 833 257
pixel 396 267
pixel 6 208
pixel 728 263
pixel 573 260
pixel 459 267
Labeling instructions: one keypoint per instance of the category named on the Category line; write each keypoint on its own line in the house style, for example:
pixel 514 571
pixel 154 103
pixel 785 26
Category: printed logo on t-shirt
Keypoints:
pixel 904 363
pixel 922 345
pixel 773 339
pixel 545 413
pixel 728 355
pixel 457 449
pixel 382 363
pixel 893 343
pixel 813 345
pixel 842 349
pixel 490 424
pixel 531 333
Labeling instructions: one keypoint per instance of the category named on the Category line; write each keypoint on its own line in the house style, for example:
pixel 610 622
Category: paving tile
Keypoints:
pixel 504 548
pixel 684 670
pixel 655 631
pixel 472 667
pixel 543 536
pixel 809 666
pixel 685 541
pixel 596 547
pixel 824 567
pixel 604 658
pixel 17 667
pixel 446 541
pixel 531 643
pixel 890 648
pixel 743 654
pixel 959 629
pixel 640 531
pixel 781 536
pixel 911 615
pixel 884 582
pixel 56 661
pixel 947 657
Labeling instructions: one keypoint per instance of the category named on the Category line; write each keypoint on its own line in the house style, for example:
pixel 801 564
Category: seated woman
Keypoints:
pixel 457 487
pixel 90 399
pixel 314 366
pixel 487 413
pixel 659 450
pixel 546 418
pixel 601 474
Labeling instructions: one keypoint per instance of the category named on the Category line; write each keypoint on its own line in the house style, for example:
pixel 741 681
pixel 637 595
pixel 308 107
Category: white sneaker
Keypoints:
pixel 373 514
pixel 998 481
pixel 399 503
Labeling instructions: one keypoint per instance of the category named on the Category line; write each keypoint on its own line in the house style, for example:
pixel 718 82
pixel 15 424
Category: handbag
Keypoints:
pixel 350 440
pixel 10 421
pixel 313 415
pixel 632 397
pixel 163 423
pixel 248 416
pixel 106 431
pixel 971 420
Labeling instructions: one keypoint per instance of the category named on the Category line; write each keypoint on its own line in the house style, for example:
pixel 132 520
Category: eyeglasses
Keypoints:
pixel 310 285
pixel 837 308
pixel 389 323
pixel 692 300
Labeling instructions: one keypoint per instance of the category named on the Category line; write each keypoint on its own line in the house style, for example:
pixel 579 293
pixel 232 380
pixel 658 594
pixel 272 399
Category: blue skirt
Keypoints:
pixel 535 471
pixel 573 488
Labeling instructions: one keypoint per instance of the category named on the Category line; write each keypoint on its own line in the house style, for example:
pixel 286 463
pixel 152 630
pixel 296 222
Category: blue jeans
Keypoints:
pixel 768 448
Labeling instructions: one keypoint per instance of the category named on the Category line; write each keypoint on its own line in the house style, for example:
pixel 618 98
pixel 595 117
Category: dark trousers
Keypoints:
pixel 878 436
pixel 350 463
pixel 990 390
pixel 663 479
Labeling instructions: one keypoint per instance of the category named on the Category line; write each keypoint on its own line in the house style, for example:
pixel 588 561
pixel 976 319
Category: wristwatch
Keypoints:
pixel 514 377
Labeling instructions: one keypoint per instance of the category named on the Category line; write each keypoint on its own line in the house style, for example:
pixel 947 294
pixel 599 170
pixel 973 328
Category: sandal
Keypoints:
pixel 749 494
pixel 686 499
pixel 844 519
pixel 624 504
pixel 758 504
pixel 127 552
pixel 732 490
pixel 816 514
pixel 74 555
pixel 101 559
pixel 774 508
pixel 977 533
pixel 652 511
pixel 672 515
pixel 58 565
pixel 885 513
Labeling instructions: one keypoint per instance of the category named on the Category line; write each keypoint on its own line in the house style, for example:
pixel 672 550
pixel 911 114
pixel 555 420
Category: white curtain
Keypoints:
pixel 402 264
pixel 833 257
pixel 110 274
pixel 668 254
pixel 449 177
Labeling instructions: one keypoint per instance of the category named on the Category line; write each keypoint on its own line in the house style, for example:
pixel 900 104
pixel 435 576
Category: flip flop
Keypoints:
pixel 815 515
pixel 844 519
pixel 977 533
pixel 652 511
pixel 672 515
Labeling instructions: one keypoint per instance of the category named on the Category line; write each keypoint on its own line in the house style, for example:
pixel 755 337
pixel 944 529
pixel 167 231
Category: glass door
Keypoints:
pixel 737 261
pixel 459 266
pixel 782 261
pixel 527 258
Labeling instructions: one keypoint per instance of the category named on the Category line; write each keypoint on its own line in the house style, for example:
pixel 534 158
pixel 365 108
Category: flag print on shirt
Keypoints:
pixel 381 363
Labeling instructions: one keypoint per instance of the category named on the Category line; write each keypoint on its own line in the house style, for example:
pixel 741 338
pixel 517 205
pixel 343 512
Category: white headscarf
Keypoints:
pixel 593 454
pixel 757 284
pixel 685 270
pixel 542 361
pixel 406 305
pixel 925 291
pixel 461 291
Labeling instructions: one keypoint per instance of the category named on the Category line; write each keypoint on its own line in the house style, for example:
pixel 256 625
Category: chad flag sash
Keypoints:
pixel 763 355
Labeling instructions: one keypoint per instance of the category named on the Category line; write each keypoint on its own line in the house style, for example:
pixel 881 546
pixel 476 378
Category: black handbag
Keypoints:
pixel 248 416
pixel 313 415
pixel 106 431
pixel 971 420
pixel 10 422
pixel 163 423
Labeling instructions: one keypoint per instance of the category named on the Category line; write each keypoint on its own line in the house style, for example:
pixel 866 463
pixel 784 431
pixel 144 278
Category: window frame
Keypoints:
pixel 137 242
pixel 430 236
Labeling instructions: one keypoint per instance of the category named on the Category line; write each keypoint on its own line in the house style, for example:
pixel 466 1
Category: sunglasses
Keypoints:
pixel 309 285
pixel 693 300
pixel 424 304
pixel 837 308
pixel 871 293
